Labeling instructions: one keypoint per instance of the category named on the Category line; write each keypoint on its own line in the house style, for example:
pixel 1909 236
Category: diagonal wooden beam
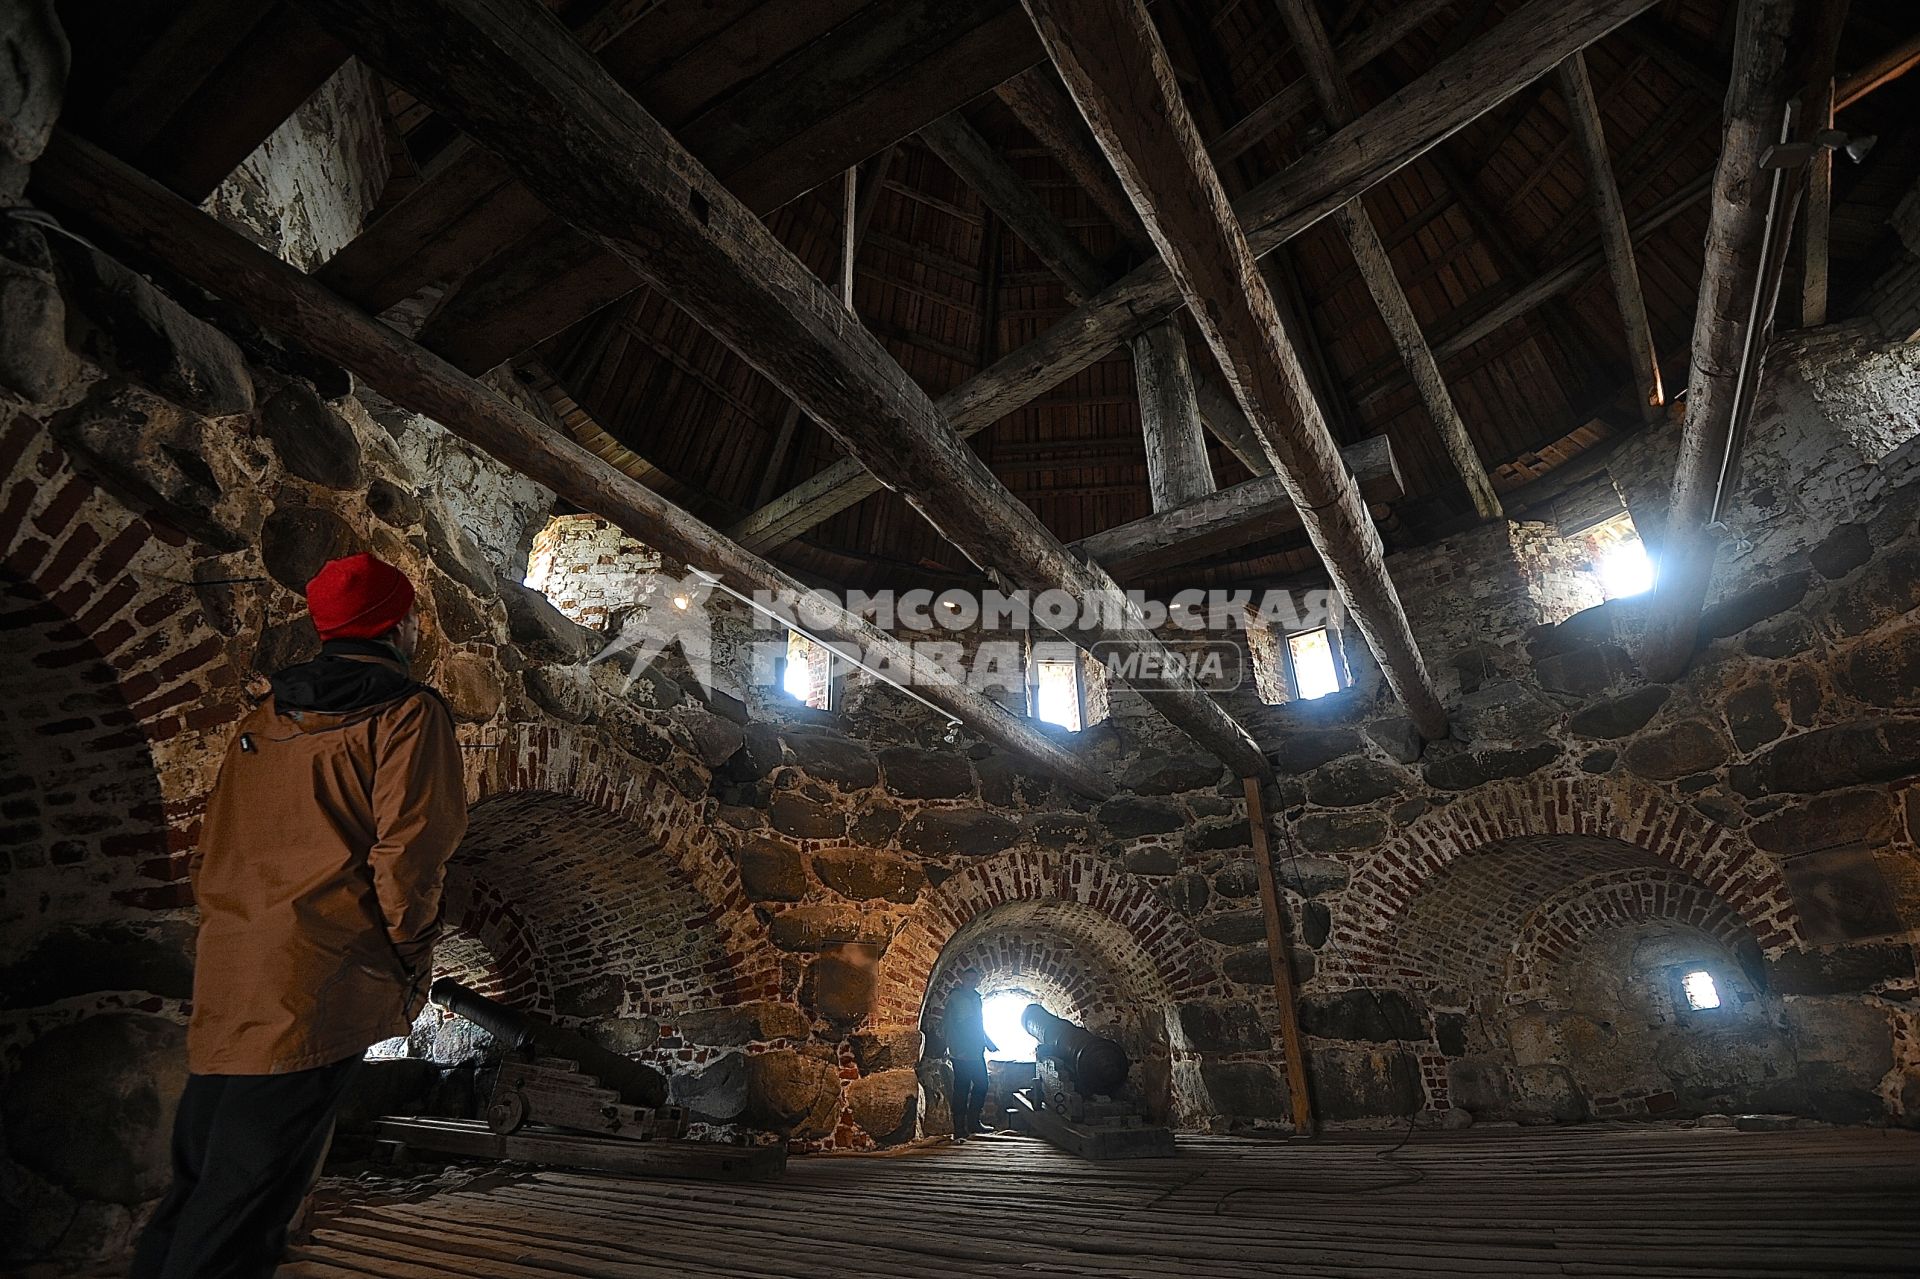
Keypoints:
pixel 1452 94
pixel 1723 331
pixel 111 199
pixel 1604 195
pixel 1329 84
pixel 510 76
pixel 973 159
pixel 1353 54
pixel 1044 110
pixel 1111 60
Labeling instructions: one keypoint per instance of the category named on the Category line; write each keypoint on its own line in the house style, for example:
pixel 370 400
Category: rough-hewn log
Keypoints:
pixel 1756 101
pixel 1112 63
pixel 974 160
pixel 1604 194
pixel 118 204
pixel 1178 471
pixel 1329 85
pixel 510 76
pixel 1251 511
pixel 1451 95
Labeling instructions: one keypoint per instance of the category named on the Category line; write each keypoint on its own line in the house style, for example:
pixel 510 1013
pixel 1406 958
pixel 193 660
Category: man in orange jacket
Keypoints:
pixel 318 879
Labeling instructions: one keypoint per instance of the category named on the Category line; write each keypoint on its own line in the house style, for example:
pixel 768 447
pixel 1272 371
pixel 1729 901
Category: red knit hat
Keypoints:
pixel 359 597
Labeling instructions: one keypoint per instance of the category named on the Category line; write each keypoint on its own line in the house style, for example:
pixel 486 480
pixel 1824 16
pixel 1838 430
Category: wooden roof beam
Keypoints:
pixel 1329 84
pixel 1111 60
pixel 1452 94
pixel 1723 338
pixel 108 197
pixel 1251 511
pixel 1603 193
pixel 508 74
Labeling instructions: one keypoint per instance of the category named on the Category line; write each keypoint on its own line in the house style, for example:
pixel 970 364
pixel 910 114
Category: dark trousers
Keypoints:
pixel 969 1092
pixel 245 1149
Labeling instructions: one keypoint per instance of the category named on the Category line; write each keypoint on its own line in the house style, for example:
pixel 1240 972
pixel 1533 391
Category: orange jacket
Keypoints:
pixel 319 875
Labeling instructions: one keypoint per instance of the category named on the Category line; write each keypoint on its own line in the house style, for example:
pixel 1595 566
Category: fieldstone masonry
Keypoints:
pixel 767 900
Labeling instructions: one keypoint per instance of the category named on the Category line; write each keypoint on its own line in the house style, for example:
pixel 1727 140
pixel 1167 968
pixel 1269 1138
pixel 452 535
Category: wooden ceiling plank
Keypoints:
pixel 1330 88
pixel 1449 96
pixel 510 76
pixel 1731 274
pixel 1113 64
pixel 97 191
pixel 1603 195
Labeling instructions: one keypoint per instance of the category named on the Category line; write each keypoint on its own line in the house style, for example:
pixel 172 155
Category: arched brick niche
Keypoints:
pixel 580 765
pixel 1555 831
pixel 613 924
pixel 1160 952
pixel 1556 932
pixel 82 817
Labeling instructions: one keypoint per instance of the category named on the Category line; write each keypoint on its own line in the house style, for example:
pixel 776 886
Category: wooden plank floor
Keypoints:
pixel 1594 1200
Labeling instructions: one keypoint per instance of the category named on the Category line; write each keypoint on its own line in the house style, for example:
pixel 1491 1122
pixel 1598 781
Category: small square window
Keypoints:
pixel 1311 655
pixel 808 677
pixel 1056 692
pixel 1700 991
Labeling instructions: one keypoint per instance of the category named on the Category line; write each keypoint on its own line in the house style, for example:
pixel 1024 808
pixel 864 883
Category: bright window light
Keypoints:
pixel 806 674
pixel 1313 670
pixel 1056 693
pixel 1701 993
pixel 1625 569
pixel 1001 1012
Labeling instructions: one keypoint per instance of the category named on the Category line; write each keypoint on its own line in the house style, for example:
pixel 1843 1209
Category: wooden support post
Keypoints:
pixel 1329 84
pixel 1274 916
pixel 1451 94
pixel 507 73
pixel 849 234
pixel 115 203
pixel 1112 63
pixel 1178 471
pixel 1729 280
pixel 1816 115
pixel 1604 194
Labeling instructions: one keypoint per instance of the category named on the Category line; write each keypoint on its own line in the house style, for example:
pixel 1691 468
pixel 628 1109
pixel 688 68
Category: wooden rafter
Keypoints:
pixel 1329 84
pixel 1722 331
pixel 114 201
pixel 510 76
pixel 1112 63
pixel 1604 195
pixel 1454 92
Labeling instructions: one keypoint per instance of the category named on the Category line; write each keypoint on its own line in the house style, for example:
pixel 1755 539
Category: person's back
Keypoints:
pixel 318 879
pixel 321 863
pixel 964 1027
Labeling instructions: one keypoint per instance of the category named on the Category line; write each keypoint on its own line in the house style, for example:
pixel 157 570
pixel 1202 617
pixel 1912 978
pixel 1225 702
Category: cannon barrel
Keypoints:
pixel 1093 1062
pixel 638 1084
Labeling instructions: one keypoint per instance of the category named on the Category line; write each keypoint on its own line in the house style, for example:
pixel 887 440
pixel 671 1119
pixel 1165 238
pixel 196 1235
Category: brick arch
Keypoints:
pixel 479 916
pixel 1153 944
pixel 1364 944
pixel 1554 932
pixel 580 765
pixel 1042 958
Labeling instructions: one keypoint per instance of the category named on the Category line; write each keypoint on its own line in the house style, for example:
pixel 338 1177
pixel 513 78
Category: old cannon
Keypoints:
pixel 552 1075
pixel 1088 1064
pixel 1080 1100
